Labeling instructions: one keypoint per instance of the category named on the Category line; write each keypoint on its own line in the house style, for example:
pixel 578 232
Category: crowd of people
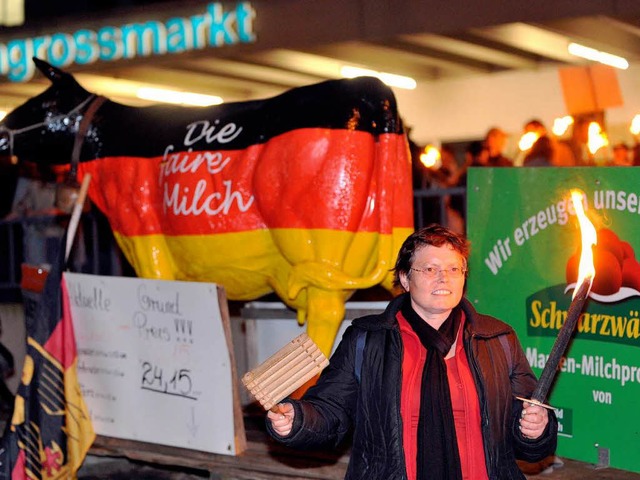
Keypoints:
pixel 545 151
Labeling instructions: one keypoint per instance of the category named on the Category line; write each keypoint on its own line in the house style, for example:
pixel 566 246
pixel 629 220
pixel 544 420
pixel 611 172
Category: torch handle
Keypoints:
pixel 560 345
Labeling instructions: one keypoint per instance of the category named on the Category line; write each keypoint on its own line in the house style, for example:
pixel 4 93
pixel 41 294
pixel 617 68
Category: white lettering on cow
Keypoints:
pixel 202 129
pixel 212 204
pixel 185 201
pixel 180 162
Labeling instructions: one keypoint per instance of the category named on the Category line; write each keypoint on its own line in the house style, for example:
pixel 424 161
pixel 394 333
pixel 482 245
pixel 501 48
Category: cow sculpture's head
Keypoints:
pixel 307 194
pixel 47 123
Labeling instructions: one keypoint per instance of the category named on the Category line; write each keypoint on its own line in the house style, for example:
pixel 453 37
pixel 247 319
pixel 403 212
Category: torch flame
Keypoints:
pixel 586 270
pixel 431 157
pixel 635 125
pixel 561 125
pixel 527 140
pixel 597 138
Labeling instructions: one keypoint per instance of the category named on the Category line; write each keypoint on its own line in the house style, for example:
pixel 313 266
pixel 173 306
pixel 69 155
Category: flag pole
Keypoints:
pixel 75 214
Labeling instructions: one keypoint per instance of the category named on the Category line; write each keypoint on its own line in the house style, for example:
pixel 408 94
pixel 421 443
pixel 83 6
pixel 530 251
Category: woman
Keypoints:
pixel 434 393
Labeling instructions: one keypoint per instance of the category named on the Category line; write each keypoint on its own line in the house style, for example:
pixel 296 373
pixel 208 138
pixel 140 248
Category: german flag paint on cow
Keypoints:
pixel 307 194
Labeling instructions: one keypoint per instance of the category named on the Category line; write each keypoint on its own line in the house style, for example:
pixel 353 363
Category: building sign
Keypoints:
pixel 215 27
pixel 525 246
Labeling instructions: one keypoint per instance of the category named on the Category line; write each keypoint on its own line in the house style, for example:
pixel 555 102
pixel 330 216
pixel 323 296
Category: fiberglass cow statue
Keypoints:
pixel 306 194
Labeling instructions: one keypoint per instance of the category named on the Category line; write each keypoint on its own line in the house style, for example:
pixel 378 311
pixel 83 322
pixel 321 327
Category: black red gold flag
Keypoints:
pixel 50 431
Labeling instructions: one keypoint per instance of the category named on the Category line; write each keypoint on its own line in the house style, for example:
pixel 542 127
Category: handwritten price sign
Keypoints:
pixel 153 360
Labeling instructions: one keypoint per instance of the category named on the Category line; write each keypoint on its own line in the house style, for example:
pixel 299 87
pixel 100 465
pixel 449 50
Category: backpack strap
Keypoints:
pixel 361 341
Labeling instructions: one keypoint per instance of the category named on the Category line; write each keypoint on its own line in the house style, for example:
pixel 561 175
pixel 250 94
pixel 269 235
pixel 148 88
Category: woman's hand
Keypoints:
pixel 533 421
pixel 282 419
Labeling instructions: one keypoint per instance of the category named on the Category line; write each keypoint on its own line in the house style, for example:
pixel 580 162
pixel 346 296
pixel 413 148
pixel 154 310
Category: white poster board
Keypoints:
pixel 153 362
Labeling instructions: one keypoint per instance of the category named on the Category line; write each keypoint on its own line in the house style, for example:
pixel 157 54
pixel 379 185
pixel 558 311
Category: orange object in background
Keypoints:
pixel 588 89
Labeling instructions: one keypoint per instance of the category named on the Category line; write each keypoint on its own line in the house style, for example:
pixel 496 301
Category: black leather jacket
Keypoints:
pixel 338 402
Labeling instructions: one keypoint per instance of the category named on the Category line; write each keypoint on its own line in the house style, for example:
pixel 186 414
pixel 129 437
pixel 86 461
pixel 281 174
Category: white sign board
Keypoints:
pixel 153 362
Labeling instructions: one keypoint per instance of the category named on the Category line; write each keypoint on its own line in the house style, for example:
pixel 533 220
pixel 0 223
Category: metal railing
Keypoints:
pixel 101 255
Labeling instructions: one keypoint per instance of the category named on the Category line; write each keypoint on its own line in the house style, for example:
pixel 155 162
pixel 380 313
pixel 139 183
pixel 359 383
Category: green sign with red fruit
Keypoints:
pixel 525 249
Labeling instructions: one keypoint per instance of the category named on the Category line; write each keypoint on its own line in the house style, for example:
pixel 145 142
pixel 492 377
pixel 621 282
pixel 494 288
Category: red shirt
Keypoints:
pixel 464 400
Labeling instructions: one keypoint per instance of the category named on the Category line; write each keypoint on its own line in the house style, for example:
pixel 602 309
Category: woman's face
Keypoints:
pixel 433 296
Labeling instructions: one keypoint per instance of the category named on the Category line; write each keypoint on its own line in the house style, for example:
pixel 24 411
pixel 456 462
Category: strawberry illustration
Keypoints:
pixel 615 264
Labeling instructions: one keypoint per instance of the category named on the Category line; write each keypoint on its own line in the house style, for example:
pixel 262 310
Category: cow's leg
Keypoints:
pixel 148 255
pixel 325 312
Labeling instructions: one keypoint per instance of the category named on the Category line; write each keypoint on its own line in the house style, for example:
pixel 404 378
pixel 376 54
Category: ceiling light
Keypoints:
pixel 180 98
pixel 598 56
pixel 390 79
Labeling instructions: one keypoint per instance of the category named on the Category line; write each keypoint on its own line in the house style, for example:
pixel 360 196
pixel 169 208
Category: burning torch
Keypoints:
pixel 586 274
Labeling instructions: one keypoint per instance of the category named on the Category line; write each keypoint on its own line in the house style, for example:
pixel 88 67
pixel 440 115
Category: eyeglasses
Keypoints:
pixel 433 272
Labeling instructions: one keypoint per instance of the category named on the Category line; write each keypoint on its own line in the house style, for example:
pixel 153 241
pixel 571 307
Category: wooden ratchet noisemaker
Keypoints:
pixel 285 371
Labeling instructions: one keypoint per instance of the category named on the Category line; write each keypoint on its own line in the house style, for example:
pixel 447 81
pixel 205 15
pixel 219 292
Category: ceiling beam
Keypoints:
pixel 602 33
pixel 378 56
pixel 530 38
pixel 467 47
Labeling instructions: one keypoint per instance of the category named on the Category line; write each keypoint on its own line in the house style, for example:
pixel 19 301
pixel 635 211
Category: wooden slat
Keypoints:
pixel 285 371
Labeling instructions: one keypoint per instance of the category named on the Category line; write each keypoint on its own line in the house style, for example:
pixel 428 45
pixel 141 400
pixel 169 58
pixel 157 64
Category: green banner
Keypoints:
pixel 525 247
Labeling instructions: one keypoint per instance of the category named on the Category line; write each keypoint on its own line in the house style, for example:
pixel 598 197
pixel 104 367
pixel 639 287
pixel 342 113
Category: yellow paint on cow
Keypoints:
pixel 313 271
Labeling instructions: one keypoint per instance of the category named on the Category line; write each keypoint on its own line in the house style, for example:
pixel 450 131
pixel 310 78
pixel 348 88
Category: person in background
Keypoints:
pixel 635 153
pixel 547 151
pixel 447 173
pixel 541 152
pixel 35 198
pixel 495 142
pixel 448 209
pixel 454 205
pixel 450 168
pixel 428 388
pixel 622 156
pixel 475 155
